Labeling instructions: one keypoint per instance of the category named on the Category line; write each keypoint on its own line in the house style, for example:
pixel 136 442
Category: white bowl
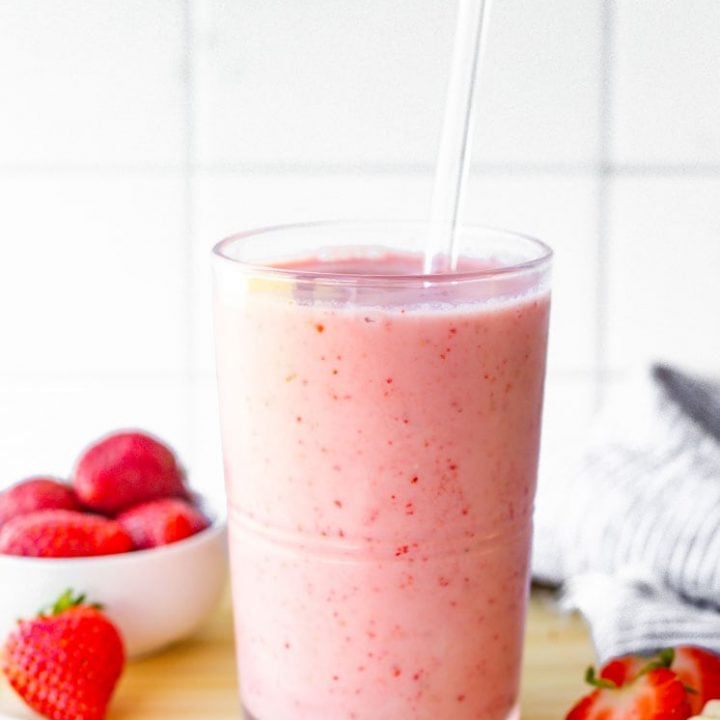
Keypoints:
pixel 155 596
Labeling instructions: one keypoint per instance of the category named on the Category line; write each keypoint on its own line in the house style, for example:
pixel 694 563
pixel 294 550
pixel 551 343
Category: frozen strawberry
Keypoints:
pixel 63 533
pixel 36 493
pixel 696 668
pixel 124 469
pixel 161 522
pixel 65 664
pixel 655 694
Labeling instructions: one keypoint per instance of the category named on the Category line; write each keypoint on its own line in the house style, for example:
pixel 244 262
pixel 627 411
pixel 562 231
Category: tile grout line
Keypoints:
pixel 16 381
pixel 660 170
pixel 95 377
pixel 189 217
pixel 604 176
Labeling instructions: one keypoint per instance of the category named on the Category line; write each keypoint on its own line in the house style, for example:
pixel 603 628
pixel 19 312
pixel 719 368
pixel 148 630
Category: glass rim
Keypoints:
pixel 220 254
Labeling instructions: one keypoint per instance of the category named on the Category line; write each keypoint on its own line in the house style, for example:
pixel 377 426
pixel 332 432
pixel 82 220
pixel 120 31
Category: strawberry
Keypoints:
pixel 623 669
pixel 124 469
pixel 161 522
pixel 36 493
pixel 65 664
pixel 700 670
pixel 63 533
pixel 697 669
pixel 655 694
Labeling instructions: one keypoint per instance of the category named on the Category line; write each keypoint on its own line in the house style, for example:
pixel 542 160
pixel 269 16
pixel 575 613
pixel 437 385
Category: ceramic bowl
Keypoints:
pixel 155 597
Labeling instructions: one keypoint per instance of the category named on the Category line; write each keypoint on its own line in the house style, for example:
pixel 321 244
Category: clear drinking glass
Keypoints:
pixel 380 435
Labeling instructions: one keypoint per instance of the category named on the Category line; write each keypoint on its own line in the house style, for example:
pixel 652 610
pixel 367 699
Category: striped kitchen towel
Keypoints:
pixel 632 528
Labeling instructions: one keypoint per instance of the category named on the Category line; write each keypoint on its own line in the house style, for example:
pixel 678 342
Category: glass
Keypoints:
pixel 380 435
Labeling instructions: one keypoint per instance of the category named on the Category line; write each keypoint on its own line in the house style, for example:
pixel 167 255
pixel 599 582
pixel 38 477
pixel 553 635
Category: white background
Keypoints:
pixel 136 133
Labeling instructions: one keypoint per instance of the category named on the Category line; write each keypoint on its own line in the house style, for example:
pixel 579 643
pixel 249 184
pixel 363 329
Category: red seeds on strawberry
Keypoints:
pixel 161 522
pixel 124 469
pixel 654 695
pixel 65 664
pixel 63 533
pixel 37 493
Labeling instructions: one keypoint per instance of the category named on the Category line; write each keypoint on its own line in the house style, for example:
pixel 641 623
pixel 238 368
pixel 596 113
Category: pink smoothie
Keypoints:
pixel 380 465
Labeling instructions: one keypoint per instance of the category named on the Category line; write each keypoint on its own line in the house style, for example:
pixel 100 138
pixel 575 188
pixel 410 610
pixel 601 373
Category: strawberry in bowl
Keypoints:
pixel 125 530
pixel 34 494
pixel 124 469
pixel 63 533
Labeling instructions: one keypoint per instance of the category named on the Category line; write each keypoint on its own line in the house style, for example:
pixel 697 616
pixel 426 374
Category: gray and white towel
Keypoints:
pixel 632 528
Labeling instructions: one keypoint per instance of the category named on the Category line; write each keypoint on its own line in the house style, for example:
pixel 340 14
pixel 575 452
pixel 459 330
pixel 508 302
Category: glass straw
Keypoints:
pixel 455 145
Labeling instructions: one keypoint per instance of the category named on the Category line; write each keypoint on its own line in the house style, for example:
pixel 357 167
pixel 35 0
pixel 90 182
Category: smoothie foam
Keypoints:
pixel 380 465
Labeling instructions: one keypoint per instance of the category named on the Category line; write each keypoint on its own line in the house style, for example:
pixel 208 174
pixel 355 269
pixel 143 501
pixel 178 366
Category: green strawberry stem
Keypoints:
pixel 592 679
pixel 66 601
pixel 664 659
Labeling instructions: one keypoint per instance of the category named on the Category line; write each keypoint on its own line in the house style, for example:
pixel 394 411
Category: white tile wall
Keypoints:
pixel 45 424
pixel 205 454
pixel 539 97
pixel 320 82
pixel 569 408
pixel 666 105
pixel 135 133
pixel 91 82
pixel 324 82
pixel 92 278
pixel 664 289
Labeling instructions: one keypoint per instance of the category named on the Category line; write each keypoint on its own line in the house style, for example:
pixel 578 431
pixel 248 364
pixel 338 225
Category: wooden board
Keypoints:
pixel 195 680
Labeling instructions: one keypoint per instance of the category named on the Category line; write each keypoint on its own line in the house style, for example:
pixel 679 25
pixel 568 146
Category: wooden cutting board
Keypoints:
pixel 195 680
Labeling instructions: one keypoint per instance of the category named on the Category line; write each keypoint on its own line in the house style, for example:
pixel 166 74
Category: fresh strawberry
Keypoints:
pixel 624 669
pixel 65 664
pixel 161 522
pixel 655 694
pixel 124 469
pixel 36 493
pixel 697 669
pixel 700 670
pixel 63 533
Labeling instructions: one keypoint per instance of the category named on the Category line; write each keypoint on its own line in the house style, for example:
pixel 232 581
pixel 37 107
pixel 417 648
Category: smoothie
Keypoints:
pixel 380 458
